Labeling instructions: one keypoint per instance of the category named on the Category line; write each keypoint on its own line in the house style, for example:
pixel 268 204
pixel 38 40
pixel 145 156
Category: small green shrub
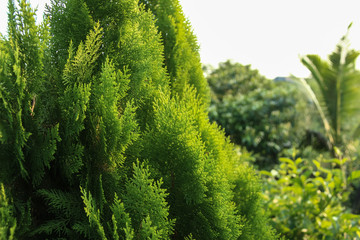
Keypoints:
pixel 306 199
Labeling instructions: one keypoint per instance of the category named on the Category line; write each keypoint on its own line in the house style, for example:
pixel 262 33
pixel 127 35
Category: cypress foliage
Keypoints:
pixel 64 31
pixel 7 220
pixel 199 191
pixel 145 201
pixel 181 49
pixel 248 200
pixel 105 123
pixel 22 77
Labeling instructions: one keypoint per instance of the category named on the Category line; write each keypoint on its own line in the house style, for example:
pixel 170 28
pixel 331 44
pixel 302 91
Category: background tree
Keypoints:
pixel 264 116
pixel 337 89
pixel 233 79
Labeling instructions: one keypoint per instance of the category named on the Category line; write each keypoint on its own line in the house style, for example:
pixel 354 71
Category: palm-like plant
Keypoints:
pixel 337 91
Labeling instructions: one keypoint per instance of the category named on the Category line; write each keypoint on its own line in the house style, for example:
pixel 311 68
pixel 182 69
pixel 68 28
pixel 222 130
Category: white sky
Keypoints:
pixel 269 35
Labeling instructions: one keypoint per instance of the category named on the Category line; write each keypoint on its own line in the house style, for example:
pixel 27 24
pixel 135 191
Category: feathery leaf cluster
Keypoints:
pixel 104 122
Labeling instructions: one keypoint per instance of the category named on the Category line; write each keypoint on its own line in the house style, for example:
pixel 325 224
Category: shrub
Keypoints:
pixel 306 199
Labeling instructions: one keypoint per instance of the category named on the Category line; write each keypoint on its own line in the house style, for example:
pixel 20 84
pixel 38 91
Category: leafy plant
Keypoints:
pixel 337 91
pixel 306 199
pixel 256 113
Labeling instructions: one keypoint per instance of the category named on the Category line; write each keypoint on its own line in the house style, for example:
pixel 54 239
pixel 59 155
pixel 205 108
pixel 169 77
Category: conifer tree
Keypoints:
pixel 114 143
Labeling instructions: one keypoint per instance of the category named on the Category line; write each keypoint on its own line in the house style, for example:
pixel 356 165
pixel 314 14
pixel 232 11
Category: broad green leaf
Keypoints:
pixel 354 175
pixel 321 180
pixel 298 161
pixel 263 172
pixel 349 216
pixel 317 164
pixel 287 160
pixel 325 224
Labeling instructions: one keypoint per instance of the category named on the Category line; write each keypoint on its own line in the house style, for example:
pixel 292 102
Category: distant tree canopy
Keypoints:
pixel 234 79
pixel 104 130
pixel 257 113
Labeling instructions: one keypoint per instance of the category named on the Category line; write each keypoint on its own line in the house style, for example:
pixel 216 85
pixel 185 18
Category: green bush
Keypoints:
pixel 306 199
pixel 257 113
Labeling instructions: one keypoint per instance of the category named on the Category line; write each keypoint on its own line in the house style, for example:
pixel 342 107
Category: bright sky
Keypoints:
pixel 269 35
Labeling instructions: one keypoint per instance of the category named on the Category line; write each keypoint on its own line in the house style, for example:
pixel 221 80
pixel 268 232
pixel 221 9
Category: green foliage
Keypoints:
pixel 93 214
pixel 144 197
pixel 197 165
pixel 334 86
pixel 182 152
pixel 16 89
pixel 64 31
pixel 66 211
pixel 142 215
pixel 14 136
pixel 132 42
pixel 112 134
pixel 7 219
pixel 337 91
pixel 256 113
pixel 74 101
pixel 305 200
pixel 181 159
pixel 181 49
pixel 21 91
pixel 92 104
pixel 249 204
pixel 233 79
pixel 121 220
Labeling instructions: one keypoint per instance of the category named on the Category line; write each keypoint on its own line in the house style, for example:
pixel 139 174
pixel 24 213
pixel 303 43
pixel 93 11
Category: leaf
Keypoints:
pixel 298 161
pixel 349 216
pixel 317 164
pixel 263 172
pixel 325 224
pixel 321 180
pixel 287 160
pixel 354 175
